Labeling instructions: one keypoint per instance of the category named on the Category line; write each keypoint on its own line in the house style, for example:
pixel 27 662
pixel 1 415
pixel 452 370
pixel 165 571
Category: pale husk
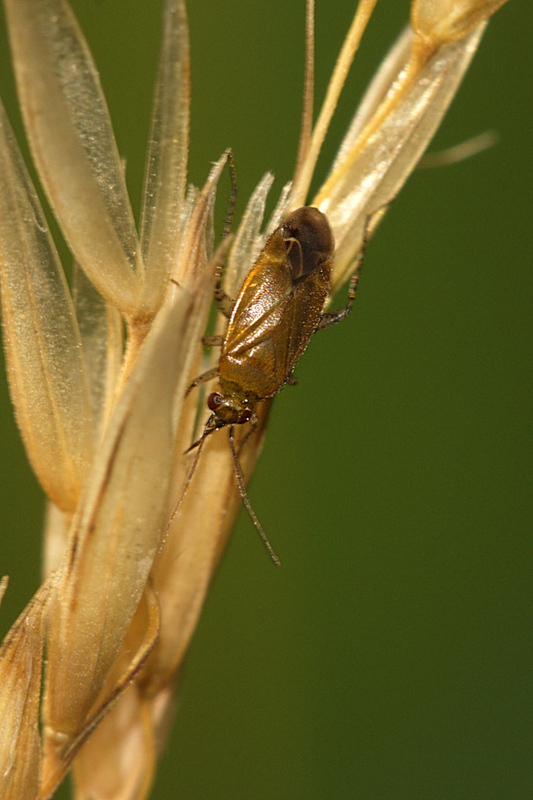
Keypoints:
pixel 21 657
pixel 134 536
pixel 72 142
pixel 47 377
pixel 115 533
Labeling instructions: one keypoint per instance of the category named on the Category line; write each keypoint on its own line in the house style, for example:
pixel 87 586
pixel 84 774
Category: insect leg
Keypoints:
pixel 213 341
pixel 224 302
pixel 331 317
pixel 205 376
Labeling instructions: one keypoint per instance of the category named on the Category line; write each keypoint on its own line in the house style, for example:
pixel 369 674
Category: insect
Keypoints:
pixel 278 309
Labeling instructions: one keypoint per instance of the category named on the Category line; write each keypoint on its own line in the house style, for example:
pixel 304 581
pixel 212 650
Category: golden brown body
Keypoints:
pixel 272 322
pixel 279 307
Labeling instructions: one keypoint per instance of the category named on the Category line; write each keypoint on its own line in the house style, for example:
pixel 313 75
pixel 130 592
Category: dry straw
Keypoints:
pixel 98 373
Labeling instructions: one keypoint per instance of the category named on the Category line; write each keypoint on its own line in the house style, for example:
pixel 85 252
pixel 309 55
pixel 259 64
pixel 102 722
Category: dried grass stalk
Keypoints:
pixel 106 424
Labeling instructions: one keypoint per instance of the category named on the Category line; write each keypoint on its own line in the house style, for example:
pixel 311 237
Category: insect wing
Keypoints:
pixel 272 321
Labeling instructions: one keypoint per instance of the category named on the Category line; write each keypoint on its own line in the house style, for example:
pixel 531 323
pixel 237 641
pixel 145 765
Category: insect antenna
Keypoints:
pixel 246 501
pixel 209 427
pixel 199 443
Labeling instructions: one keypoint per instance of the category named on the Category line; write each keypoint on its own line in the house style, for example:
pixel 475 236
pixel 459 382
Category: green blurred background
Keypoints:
pixel 391 655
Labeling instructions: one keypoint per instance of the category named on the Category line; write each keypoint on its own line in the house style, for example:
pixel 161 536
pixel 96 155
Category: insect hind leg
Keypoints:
pixel 329 318
pixel 224 302
pixel 332 317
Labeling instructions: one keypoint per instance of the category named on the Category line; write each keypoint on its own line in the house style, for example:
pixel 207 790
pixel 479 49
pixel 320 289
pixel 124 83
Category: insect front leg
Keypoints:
pixel 205 376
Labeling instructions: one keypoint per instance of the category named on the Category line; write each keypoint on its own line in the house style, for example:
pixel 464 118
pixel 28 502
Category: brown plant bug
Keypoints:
pixel 278 309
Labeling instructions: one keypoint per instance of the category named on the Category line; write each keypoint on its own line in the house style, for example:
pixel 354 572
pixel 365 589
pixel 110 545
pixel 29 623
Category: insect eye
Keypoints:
pixel 245 417
pixel 214 401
